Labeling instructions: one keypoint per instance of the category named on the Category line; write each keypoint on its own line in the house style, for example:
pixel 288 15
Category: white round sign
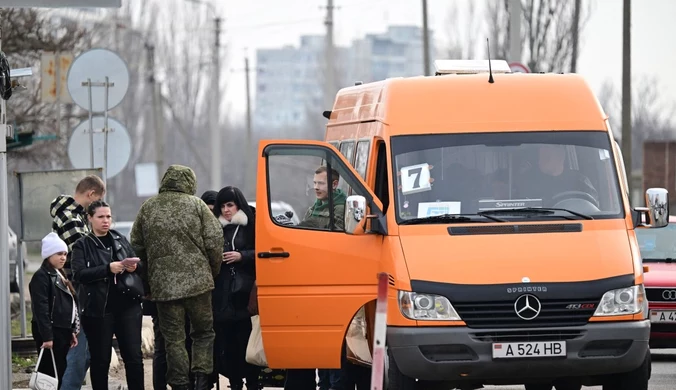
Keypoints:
pixel 518 67
pixel 119 146
pixel 96 65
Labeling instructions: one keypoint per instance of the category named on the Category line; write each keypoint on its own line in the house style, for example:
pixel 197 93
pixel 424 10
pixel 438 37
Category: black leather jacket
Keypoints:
pixel 91 269
pixel 51 302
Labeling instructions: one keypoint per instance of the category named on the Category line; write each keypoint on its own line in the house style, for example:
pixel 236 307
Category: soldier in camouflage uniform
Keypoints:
pixel 180 242
pixel 318 215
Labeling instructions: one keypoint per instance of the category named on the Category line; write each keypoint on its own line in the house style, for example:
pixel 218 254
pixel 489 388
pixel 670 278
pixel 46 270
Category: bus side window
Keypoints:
pixel 382 187
pixel 362 158
pixel 335 144
pixel 347 150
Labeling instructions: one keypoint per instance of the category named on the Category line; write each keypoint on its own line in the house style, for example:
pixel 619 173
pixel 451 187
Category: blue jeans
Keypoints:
pixel 330 379
pixel 77 364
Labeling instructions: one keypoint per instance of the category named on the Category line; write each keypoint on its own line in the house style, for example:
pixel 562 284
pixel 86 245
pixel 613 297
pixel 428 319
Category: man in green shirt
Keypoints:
pixel 318 215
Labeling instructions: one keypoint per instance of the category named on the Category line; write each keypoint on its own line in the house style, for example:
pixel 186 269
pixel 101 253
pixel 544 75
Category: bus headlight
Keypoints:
pixel 432 307
pixel 622 301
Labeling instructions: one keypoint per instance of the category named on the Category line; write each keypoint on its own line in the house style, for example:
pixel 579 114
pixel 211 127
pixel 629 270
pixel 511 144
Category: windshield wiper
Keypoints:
pixel 534 210
pixel 448 218
pixel 664 260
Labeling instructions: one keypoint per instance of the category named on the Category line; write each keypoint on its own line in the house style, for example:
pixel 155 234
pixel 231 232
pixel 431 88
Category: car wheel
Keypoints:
pixel 633 380
pixel 395 379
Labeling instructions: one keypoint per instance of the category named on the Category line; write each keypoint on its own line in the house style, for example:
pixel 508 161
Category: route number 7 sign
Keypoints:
pixel 415 178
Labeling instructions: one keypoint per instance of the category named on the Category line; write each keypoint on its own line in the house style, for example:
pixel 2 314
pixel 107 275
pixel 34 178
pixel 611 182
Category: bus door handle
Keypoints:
pixel 269 255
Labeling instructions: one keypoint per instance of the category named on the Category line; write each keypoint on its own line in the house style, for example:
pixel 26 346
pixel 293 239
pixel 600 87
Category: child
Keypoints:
pixel 56 320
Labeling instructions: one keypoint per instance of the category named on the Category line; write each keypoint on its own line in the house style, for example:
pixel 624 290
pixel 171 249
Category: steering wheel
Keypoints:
pixel 574 194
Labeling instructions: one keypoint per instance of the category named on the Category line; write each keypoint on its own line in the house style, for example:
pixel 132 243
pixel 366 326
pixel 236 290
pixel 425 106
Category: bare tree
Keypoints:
pixel 26 33
pixel 461 43
pixel 651 117
pixel 547 32
pixel 183 51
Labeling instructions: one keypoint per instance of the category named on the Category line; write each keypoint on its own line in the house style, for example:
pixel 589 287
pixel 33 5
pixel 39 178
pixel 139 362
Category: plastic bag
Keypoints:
pixel 255 353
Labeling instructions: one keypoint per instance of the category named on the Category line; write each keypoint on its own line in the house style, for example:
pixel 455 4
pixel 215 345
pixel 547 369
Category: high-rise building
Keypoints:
pixel 290 80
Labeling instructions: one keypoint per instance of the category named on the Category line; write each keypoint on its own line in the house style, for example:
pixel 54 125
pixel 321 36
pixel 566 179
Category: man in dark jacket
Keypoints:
pixel 70 224
pixel 180 243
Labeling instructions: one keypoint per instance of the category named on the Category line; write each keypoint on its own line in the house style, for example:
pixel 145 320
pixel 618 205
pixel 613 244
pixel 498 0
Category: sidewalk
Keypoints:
pixel 117 381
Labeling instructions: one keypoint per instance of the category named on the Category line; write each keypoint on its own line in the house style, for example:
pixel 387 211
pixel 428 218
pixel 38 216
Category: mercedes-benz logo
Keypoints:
pixel 669 295
pixel 527 307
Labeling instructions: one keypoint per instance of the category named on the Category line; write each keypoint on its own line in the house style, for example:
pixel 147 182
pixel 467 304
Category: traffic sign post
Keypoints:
pixel 99 68
pixel 379 335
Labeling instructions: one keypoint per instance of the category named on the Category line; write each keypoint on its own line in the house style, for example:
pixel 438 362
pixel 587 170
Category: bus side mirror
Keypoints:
pixel 355 210
pixel 656 214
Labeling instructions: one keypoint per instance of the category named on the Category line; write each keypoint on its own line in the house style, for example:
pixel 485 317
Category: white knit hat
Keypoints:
pixel 52 244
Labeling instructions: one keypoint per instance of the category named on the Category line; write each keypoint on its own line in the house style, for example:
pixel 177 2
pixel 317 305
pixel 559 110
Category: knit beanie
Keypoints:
pixel 52 244
pixel 209 197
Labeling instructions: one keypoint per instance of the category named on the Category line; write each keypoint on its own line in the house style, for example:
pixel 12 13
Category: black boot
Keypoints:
pixel 236 384
pixel 202 381
pixel 252 383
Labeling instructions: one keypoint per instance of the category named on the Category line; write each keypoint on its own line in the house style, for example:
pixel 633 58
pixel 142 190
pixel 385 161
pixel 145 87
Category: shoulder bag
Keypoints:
pixel 40 381
pixel 129 284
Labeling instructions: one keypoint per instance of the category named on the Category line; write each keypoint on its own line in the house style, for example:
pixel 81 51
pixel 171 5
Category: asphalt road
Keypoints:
pixel 663 373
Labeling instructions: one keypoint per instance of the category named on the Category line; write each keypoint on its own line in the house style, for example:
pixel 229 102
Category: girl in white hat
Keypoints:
pixel 56 320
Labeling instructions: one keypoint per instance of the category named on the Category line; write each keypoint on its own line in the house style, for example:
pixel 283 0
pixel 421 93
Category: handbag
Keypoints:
pixel 41 381
pixel 130 284
pixel 239 281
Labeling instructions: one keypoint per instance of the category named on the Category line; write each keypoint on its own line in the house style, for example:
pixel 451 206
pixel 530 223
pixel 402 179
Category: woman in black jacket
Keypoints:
pixel 232 320
pixel 99 259
pixel 55 321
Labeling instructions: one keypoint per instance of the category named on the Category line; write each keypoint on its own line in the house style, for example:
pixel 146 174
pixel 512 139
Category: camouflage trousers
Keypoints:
pixel 172 325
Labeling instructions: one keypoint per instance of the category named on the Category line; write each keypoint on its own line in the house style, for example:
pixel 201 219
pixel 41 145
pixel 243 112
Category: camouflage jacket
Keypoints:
pixel 178 239
pixel 318 216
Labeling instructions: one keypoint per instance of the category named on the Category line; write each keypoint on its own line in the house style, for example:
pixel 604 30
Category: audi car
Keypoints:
pixel 658 250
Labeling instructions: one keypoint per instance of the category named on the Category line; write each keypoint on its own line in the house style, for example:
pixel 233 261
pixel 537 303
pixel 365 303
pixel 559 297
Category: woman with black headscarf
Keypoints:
pixel 232 320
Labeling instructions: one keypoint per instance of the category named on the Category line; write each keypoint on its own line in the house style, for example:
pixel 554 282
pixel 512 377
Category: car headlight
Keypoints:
pixel 623 301
pixel 416 306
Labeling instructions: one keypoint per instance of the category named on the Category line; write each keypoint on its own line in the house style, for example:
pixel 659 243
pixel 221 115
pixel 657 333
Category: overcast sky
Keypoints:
pixel 274 23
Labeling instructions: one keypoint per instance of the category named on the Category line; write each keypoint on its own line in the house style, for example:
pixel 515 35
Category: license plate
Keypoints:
pixel 529 350
pixel 663 316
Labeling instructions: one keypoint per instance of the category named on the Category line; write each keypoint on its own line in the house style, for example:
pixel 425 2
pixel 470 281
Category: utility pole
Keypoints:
pixel 156 110
pixel 626 93
pixel 515 12
pixel 329 58
pixel 248 103
pixel 215 107
pixel 250 172
pixel 5 328
pixel 426 39
pixel 576 36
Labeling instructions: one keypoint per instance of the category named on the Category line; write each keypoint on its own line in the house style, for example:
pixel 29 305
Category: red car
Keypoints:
pixel 658 250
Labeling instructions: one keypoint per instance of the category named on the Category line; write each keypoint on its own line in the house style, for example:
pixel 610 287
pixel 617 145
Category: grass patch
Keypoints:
pixel 21 364
pixel 16 323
